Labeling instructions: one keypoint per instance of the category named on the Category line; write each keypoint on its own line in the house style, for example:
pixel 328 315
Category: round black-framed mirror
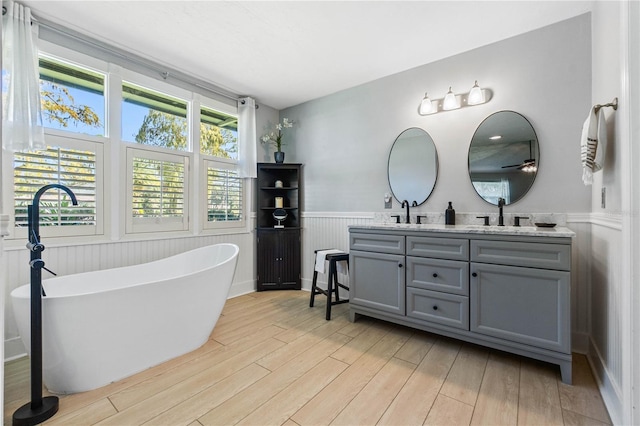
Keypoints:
pixel 412 168
pixel 504 157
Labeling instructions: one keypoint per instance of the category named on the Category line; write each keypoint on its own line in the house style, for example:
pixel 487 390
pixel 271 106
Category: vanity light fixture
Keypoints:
pixel 476 96
pixel 426 106
pixel 450 102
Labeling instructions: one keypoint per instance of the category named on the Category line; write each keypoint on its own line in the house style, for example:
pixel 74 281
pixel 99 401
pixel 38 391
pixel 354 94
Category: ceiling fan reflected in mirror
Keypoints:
pixel 528 166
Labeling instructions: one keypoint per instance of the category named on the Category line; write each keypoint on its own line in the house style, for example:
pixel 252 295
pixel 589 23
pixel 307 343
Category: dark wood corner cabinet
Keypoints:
pixel 278 249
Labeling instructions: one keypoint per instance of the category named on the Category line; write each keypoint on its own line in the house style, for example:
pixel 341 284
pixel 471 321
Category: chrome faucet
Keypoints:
pixel 500 206
pixel 405 203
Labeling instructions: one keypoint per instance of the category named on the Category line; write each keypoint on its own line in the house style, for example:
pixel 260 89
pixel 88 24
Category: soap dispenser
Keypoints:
pixel 450 215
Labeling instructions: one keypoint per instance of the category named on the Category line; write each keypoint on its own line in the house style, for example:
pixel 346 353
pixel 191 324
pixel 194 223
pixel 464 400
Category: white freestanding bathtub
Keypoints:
pixel 102 326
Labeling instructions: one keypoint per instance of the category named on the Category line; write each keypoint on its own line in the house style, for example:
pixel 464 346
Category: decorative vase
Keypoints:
pixel 279 156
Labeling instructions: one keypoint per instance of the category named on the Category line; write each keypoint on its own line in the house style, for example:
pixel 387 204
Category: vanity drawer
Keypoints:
pixel 533 255
pixel 439 248
pixel 441 308
pixel 392 244
pixel 449 276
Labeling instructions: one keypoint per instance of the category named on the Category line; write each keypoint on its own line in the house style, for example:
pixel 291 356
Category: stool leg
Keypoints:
pixel 330 288
pixel 335 284
pixel 313 288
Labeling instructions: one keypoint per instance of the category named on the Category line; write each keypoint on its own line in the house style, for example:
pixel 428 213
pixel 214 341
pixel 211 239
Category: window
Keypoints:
pixel 154 118
pixel 222 185
pixel 73 107
pixel 74 165
pixel 150 155
pixel 218 134
pixel 225 197
pixel 157 191
pixel 72 97
pixel 491 190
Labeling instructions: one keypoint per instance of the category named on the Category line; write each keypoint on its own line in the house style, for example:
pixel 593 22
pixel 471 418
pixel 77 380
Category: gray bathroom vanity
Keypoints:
pixel 507 288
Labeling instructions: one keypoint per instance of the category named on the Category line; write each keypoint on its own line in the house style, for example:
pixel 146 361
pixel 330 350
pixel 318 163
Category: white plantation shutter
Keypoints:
pixel 72 168
pixel 225 196
pixel 157 191
pixel 158 188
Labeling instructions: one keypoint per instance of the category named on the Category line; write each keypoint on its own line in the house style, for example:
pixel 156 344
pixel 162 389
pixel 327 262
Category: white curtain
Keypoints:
pixel 21 111
pixel 247 137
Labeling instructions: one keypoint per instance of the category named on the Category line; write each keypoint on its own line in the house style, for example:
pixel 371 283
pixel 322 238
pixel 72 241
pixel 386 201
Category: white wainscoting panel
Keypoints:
pixel 325 231
pixel 607 296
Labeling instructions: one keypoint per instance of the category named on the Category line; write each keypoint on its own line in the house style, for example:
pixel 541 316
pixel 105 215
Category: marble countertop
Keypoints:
pixel 558 231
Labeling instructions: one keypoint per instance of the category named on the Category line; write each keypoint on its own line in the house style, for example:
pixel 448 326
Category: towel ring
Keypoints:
pixel 613 104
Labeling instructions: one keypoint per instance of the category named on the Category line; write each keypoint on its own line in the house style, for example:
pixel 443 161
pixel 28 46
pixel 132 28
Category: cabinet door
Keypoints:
pixel 268 253
pixel 377 281
pixel 278 253
pixel 289 248
pixel 525 305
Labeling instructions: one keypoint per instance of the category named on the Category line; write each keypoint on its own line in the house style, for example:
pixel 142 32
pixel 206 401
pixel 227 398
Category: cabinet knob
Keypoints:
pixel 435 275
pixel 474 274
pixel 435 307
pixel 399 265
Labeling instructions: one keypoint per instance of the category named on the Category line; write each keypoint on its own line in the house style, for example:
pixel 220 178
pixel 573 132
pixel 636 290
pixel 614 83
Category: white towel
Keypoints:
pixel 592 144
pixel 321 261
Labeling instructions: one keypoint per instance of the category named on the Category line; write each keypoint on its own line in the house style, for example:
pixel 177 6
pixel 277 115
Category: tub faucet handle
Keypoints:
pixel 35 247
pixel 39 264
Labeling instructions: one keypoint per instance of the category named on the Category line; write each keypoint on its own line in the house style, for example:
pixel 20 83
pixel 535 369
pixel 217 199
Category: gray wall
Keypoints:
pixel 344 139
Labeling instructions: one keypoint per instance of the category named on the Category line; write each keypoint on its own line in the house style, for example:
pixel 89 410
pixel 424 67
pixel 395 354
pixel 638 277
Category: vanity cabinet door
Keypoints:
pixel 525 305
pixel 377 281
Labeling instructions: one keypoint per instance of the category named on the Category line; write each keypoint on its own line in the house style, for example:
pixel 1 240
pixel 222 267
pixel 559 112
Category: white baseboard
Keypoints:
pixel 610 391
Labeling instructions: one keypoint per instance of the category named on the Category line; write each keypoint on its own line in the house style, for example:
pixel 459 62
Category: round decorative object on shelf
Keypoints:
pixel 279 156
pixel 278 184
pixel 279 215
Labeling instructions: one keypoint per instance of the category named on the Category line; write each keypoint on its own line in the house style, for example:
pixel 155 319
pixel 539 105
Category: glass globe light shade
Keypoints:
pixel 450 101
pixel 426 107
pixel 475 95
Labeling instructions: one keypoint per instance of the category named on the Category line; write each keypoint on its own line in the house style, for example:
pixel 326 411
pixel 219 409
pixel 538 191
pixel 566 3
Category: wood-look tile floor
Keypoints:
pixel 272 360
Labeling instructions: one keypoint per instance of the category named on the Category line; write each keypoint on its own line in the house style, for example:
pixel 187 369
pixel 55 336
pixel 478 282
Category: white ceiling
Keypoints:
pixel 287 52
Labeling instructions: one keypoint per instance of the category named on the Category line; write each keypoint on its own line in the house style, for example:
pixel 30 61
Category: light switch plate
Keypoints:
pixel 388 201
pixel 603 198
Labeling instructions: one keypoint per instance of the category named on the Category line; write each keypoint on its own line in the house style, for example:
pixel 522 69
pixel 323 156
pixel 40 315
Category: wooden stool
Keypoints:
pixel 333 286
